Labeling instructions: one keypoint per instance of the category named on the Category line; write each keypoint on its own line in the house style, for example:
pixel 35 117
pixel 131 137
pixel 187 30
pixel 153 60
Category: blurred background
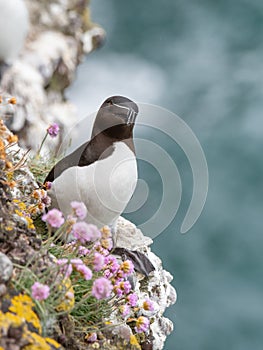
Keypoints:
pixel 203 61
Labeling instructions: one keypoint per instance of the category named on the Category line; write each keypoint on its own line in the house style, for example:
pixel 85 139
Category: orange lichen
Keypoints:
pixel 12 138
pixel 41 206
pixel 2 149
pixel 8 165
pixel 11 184
pixel 38 194
pixel 33 209
pixel 2 127
pixel 12 101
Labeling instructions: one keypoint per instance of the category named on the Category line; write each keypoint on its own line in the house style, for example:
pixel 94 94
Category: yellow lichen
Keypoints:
pixel 52 342
pixel 20 313
pixel 19 213
pixel 30 223
pixel 24 212
pixel 22 206
pixel 22 307
pixel 8 319
pixel 68 301
pixel 9 176
pixel 134 342
pixel 36 342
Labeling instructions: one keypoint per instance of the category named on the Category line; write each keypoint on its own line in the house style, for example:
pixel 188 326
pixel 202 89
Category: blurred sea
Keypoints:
pixel 203 60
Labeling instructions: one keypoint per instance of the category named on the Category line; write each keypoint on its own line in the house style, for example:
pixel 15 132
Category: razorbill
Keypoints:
pixel 102 172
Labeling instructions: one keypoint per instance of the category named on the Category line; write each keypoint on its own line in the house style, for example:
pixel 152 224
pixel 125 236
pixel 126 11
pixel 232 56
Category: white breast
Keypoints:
pixel 105 186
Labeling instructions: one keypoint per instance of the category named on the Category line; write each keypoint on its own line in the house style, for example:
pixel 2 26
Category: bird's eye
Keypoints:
pixel 110 102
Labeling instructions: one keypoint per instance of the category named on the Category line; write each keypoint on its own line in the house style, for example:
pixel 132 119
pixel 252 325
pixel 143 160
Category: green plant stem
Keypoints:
pixel 42 143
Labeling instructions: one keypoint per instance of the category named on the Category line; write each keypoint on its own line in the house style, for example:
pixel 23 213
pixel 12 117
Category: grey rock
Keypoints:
pixel 156 286
pixel 6 268
pixel 129 236
pixel 3 289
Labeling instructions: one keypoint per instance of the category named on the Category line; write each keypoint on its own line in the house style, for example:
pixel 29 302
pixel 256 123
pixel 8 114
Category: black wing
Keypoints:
pixel 86 154
pixel 75 158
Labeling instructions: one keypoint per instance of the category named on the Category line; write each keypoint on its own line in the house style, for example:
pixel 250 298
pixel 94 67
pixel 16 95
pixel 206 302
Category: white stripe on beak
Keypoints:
pixel 131 113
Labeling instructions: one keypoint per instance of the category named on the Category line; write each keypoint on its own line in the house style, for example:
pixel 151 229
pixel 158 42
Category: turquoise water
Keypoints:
pixel 202 60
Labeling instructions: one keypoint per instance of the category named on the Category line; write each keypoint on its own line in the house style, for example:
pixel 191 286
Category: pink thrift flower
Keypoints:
pixel 100 249
pixel 65 267
pixel 119 276
pixel 125 310
pixel 40 291
pixel 76 261
pixel 70 244
pixel 84 232
pixel 82 268
pixel 54 218
pixel 83 250
pixel 148 305
pixel 112 263
pixel 127 268
pixel 91 338
pixel 101 288
pixel 85 272
pixel 142 324
pixel 69 295
pixel 132 299
pixel 71 220
pixel 98 261
pixel 53 130
pixel 80 209
pixel 123 287
pixel 107 274
pixel 48 185
pixel 46 200
pixel 107 243
pixel 126 286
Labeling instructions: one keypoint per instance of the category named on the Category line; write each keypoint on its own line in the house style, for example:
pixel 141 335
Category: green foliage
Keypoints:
pixel 40 166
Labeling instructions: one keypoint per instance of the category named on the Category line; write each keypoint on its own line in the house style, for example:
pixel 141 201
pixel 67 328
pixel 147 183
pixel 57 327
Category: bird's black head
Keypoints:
pixel 116 117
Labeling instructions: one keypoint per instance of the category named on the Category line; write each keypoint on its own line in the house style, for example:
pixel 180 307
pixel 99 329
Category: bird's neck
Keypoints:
pixel 103 142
